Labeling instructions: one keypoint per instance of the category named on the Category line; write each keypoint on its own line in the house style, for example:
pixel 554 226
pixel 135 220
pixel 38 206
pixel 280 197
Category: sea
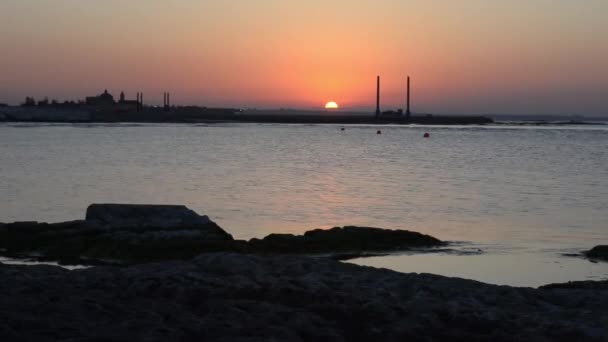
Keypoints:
pixel 517 203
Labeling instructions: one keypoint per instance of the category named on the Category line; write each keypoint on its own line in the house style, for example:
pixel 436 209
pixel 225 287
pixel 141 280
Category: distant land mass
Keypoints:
pixel 193 114
pixel 548 118
pixel 196 114
pixel 104 108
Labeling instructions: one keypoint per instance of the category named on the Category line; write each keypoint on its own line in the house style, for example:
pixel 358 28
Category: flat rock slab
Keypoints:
pixel 166 216
pixel 236 297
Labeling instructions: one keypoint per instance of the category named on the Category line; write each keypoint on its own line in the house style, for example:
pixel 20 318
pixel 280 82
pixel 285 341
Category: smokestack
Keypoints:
pixel 407 111
pixel 166 101
pixel 378 96
pixel 141 101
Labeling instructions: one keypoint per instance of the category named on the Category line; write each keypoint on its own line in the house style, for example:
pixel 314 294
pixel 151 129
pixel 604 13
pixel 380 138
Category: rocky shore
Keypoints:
pixel 129 234
pixel 184 278
pixel 237 297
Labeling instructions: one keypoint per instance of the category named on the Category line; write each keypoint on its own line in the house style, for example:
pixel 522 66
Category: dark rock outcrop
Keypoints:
pixel 236 297
pixel 598 253
pixel 117 233
pixel 581 285
pixel 126 234
pixel 346 240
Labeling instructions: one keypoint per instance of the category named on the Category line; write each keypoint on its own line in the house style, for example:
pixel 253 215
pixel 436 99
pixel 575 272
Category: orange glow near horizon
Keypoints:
pixel 470 56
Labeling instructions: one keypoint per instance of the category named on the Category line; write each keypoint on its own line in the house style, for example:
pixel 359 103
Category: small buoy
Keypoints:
pixel 342 129
pixel 426 135
pixel 379 132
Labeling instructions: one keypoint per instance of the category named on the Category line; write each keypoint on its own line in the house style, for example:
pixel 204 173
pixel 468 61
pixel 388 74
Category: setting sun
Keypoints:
pixel 331 105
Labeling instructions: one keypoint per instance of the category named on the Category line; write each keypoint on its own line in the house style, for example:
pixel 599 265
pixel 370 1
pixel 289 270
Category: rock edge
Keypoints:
pixel 125 234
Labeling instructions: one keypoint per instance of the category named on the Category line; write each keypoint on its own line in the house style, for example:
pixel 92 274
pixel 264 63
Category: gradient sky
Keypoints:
pixel 465 56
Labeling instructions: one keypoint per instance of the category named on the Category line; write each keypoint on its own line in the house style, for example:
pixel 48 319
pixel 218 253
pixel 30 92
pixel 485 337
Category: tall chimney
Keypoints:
pixel 169 100
pixel 378 96
pixel 408 113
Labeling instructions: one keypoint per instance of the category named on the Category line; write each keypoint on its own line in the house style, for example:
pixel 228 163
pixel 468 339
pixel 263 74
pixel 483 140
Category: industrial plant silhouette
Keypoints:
pixel 390 113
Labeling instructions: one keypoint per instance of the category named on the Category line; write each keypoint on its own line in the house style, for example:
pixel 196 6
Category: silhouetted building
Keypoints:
pixel 398 114
pixel 29 102
pixel 103 100
pixel 124 101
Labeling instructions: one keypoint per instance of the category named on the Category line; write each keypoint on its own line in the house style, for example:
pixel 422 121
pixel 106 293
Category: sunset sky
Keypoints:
pixel 465 56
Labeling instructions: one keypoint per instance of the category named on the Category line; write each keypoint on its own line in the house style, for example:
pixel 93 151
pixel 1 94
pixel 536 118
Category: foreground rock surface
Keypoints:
pixel 118 233
pixel 598 252
pixel 236 297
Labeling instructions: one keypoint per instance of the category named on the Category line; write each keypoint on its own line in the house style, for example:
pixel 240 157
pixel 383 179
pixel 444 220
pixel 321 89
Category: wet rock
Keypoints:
pixel 581 285
pixel 598 253
pixel 237 297
pixel 355 241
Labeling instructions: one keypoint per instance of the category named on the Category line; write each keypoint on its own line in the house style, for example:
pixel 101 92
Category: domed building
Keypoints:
pixel 103 100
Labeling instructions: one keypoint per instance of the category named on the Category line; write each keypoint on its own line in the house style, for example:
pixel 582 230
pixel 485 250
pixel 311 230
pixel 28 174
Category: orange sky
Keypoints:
pixel 468 56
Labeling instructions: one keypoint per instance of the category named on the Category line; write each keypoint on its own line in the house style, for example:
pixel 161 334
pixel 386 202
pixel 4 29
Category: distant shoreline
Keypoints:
pixel 458 121
pixel 194 115
pixel 211 115
pixel 288 120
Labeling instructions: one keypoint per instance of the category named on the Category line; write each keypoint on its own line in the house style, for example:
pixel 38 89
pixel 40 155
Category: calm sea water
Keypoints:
pixel 522 195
